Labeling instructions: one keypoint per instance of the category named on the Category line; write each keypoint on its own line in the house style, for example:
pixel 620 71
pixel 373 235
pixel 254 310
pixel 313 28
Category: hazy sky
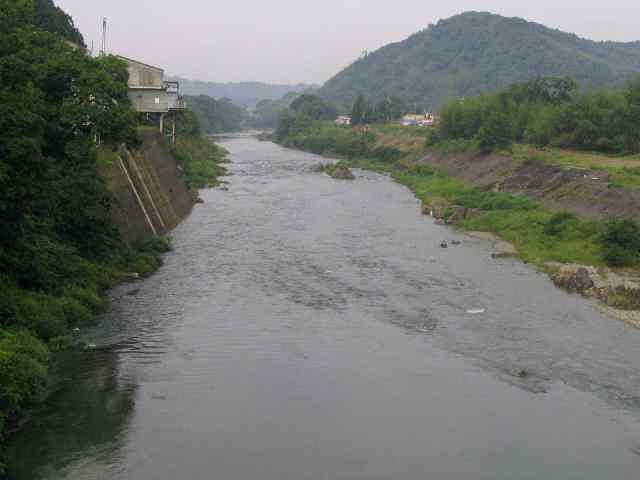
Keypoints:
pixel 291 41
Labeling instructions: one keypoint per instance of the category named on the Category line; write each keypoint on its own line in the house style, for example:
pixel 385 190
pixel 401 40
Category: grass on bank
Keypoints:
pixel 624 170
pixel 201 160
pixel 539 234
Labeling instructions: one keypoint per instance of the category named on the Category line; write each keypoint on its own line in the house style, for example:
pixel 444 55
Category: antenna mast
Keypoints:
pixel 103 52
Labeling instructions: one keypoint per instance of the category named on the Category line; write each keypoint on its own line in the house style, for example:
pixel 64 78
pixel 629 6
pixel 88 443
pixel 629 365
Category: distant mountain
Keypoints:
pixel 477 52
pixel 246 94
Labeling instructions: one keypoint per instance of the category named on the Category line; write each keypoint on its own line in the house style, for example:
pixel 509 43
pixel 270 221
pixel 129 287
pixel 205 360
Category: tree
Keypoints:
pixel 284 126
pixel 495 133
pixel 216 116
pixel 621 243
pixel 53 19
pixel 314 107
pixel 359 111
pixel 632 116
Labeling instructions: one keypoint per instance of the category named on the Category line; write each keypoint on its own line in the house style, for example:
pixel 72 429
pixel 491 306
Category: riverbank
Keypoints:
pixel 545 211
pixel 292 301
pixel 152 188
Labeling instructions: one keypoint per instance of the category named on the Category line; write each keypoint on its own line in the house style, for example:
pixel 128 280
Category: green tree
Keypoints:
pixel 621 243
pixel 359 111
pixel 216 115
pixel 632 116
pixel 314 107
pixel 495 133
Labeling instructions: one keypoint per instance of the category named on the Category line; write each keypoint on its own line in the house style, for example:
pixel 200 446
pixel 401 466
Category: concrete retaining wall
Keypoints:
pixel 150 195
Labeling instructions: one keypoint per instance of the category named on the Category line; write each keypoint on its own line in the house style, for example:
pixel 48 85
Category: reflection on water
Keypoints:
pixel 84 419
pixel 307 328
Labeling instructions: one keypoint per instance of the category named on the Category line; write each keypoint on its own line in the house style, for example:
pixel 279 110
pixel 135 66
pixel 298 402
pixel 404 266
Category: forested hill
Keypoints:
pixel 477 52
pixel 245 94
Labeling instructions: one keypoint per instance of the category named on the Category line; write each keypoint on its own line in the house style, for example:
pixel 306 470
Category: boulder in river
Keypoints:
pixel 339 172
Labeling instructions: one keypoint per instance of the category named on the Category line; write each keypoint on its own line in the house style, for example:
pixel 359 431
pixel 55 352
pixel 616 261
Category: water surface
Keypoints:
pixel 308 328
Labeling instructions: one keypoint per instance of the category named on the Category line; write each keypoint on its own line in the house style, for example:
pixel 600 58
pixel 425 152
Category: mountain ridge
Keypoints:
pixel 475 52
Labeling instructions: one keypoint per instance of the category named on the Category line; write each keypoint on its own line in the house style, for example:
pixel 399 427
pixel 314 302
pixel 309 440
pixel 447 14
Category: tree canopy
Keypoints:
pixel 548 112
pixel 54 206
pixel 216 116
pixel 314 107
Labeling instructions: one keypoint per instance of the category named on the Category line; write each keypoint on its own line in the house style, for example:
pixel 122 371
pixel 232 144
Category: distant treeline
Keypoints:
pixel 217 116
pixel 547 112
pixel 308 125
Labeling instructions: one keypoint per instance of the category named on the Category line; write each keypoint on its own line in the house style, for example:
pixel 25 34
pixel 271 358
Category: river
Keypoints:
pixel 309 328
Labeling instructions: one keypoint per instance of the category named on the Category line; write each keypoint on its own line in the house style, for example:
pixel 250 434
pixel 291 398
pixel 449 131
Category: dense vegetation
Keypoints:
pixel 299 130
pixel 58 247
pixel 478 52
pixel 216 116
pixel 267 112
pixel 200 157
pixel 546 112
pixel 385 110
pixel 53 19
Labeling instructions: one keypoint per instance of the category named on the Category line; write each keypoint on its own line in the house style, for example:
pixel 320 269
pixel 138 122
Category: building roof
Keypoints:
pixel 130 60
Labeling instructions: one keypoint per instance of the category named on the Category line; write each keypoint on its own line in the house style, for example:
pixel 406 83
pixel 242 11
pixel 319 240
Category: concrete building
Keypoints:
pixel 343 120
pixel 150 93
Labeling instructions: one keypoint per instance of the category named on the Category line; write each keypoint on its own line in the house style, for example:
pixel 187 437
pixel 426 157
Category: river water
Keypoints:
pixel 309 328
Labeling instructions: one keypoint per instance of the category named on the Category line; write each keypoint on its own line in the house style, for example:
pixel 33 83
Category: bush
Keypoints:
pixel 23 372
pixel 495 133
pixel 557 224
pixel 386 154
pixel 433 137
pixel 621 243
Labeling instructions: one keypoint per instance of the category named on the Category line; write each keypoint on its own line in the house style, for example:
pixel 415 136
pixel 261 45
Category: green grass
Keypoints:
pixel 624 170
pixel 201 159
pixel 518 220
pixel 535 231
pixel 525 229
pixel 106 158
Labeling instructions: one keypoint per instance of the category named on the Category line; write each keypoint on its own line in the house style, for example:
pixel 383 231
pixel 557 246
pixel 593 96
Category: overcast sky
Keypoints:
pixel 291 41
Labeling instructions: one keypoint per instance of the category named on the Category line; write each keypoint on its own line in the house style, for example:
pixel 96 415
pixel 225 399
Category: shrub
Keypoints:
pixel 495 133
pixel 557 224
pixel 386 154
pixel 23 372
pixel 621 242
pixel 433 137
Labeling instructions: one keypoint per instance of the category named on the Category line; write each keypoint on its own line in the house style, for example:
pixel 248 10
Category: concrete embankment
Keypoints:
pixel 150 195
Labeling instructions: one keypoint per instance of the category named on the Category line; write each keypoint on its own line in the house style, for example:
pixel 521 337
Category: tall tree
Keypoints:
pixel 359 111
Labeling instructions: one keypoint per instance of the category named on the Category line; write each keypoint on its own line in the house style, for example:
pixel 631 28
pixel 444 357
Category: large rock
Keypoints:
pixel 574 279
pixel 457 214
pixel 340 173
